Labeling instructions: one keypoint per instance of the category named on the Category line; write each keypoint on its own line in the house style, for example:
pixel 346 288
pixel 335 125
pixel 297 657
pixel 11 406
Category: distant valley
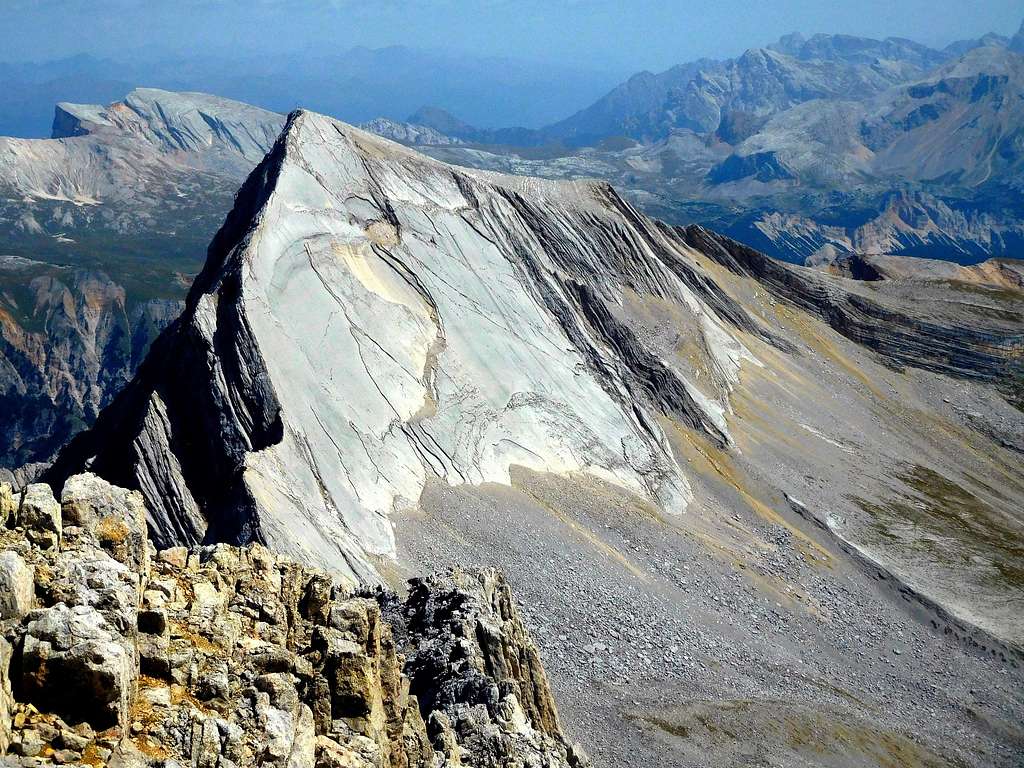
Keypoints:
pixel 103 228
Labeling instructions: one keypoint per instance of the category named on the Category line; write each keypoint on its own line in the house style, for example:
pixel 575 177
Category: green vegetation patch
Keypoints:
pixel 949 525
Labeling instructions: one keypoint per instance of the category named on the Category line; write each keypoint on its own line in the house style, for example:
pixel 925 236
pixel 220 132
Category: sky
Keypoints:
pixel 600 35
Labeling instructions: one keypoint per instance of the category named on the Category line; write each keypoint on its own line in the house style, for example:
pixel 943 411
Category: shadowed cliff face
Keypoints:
pixel 65 355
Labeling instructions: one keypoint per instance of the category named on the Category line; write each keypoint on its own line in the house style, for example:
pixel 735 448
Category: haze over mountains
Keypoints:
pixel 357 85
pixel 834 142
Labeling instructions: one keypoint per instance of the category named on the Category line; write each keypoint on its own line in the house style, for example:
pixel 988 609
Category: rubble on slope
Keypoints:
pixel 218 656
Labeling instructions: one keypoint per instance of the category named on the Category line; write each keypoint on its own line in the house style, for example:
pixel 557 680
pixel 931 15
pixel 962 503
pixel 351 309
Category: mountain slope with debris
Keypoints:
pixel 389 364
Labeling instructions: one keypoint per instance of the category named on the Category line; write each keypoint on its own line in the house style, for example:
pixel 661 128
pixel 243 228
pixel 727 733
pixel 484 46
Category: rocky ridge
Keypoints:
pixel 115 654
pixel 351 259
pixel 341 234
pixel 979 346
pixel 135 189
pixel 835 140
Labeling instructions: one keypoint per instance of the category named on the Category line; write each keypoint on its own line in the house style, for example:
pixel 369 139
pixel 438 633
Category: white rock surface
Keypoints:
pixel 121 151
pixel 371 318
pixel 17 589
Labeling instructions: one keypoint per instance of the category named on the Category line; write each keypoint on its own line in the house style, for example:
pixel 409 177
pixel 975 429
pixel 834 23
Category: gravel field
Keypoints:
pixel 661 652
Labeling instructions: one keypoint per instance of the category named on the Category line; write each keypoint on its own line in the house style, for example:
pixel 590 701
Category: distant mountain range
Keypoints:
pixel 356 85
pixel 856 144
pixel 813 150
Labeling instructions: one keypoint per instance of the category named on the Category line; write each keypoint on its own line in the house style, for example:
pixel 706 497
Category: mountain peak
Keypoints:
pixel 470 317
pixel 177 121
pixel 440 120
pixel 1017 41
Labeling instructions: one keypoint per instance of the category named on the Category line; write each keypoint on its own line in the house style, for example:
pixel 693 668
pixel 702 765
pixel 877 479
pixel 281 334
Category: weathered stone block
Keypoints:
pixel 115 516
pixel 96 670
pixel 6 699
pixel 8 503
pixel 39 515
pixel 17 588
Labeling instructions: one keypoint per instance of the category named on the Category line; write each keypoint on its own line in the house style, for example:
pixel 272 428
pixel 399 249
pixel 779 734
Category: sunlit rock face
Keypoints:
pixel 369 319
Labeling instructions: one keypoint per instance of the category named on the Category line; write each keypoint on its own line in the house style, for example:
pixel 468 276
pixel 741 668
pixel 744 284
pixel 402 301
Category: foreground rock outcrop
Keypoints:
pixel 114 654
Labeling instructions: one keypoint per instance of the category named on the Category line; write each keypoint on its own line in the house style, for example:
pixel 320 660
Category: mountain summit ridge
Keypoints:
pixel 315 245
pixel 371 323
pixel 683 449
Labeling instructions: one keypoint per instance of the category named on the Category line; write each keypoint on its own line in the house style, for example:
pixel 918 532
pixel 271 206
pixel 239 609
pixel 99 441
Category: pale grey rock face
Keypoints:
pixel 157 134
pixel 6 696
pixel 8 503
pixel 118 517
pixel 86 498
pixel 17 588
pixel 409 133
pixel 394 320
pixel 217 131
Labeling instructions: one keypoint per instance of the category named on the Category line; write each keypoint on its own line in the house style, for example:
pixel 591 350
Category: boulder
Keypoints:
pixel 8 503
pixel 115 516
pixel 39 515
pixel 17 586
pixel 95 669
pixel 6 699
pixel 475 669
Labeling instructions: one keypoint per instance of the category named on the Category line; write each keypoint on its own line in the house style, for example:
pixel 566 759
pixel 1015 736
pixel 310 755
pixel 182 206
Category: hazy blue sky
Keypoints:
pixel 600 34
